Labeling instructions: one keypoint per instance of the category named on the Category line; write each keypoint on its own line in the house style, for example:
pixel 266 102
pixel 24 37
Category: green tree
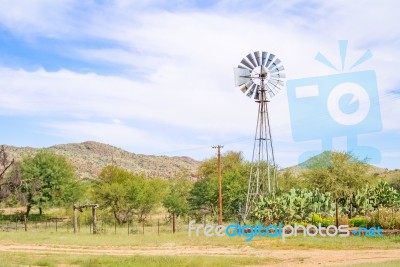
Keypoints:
pixel 341 174
pixel 150 193
pixel 204 195
pixel 176 200
pixel 45 178
pixel 125 194
pixel 111 192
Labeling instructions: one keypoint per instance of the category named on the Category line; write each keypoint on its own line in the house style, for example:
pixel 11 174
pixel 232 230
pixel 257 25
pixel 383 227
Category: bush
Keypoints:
pixel 316 219
pixel 385 218
pixel 358 222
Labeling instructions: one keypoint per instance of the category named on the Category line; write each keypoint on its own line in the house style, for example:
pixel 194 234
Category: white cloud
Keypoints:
pixel 186 59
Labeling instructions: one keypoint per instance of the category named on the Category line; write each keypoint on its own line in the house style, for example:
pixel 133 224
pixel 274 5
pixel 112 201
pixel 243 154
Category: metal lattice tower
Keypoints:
pixel 260 75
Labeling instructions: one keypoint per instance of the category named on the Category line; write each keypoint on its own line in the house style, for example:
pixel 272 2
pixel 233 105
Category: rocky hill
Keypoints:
pixel 90 157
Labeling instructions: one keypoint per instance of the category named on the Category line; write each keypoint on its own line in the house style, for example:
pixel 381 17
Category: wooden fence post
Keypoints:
pixel 25 222
pixel 94 219
pixel 75 219
pixel 173 223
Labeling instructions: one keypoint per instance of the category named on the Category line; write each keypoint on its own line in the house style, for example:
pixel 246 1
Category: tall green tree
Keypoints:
pixel 204 195
pixel 341 174
pixel 125 194
pixel 176 200
pixel 45 178
pixel 150 194
pixel 115 191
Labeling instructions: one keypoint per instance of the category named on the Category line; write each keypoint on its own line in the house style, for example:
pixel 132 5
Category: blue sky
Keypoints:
pixel 155 77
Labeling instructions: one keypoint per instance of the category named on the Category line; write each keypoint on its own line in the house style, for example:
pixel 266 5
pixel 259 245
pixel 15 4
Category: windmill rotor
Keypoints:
pixel 261 69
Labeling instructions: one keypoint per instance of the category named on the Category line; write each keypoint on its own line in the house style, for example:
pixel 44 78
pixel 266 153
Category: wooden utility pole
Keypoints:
pixel 219 183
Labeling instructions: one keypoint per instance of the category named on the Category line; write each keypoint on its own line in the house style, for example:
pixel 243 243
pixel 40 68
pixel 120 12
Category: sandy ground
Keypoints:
pixel 297 257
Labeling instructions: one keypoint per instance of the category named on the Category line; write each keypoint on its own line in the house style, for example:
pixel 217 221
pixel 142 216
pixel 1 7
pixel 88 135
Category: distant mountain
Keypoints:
pixel 90 157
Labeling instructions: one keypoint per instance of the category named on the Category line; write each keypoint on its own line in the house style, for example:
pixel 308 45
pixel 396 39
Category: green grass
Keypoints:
pixel 152 239
pixel 22 258
pixel 394 263
pixel 334 243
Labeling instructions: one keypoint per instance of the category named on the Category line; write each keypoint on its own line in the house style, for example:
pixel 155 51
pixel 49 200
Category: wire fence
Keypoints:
pixel 65 225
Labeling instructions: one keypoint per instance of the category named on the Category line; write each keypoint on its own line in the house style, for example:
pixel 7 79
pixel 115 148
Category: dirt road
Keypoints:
pixel 295 257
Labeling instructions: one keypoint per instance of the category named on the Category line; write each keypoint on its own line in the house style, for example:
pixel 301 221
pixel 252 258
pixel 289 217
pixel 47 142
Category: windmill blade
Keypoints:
pixel 270 58
pixel 271 94
pixel 239 74
pixel 276 62
pixel 246 86
pixel 251 59
pixel 280 68
pixel 269 91
pixel 247 64
pixel 257 56
pixel 251 91
pixel 278 75
pixel 257 94
pixel 272 86
pixel 263 58
pixel 278 82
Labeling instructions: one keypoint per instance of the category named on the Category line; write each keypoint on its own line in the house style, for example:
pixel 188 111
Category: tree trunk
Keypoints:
pixel 337 212
pixel 40 211
pixel 25 223
pixel 117 219
pixel 379 217
pixel 351 211
pixel 28 209
pixel 173 223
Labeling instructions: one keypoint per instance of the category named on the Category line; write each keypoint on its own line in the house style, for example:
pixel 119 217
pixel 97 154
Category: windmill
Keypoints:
pixel 259 75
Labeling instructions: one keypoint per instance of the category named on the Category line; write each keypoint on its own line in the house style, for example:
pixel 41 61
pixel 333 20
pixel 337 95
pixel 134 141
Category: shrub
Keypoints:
pixel 385 218
pixel 358 222
pixel 316 219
